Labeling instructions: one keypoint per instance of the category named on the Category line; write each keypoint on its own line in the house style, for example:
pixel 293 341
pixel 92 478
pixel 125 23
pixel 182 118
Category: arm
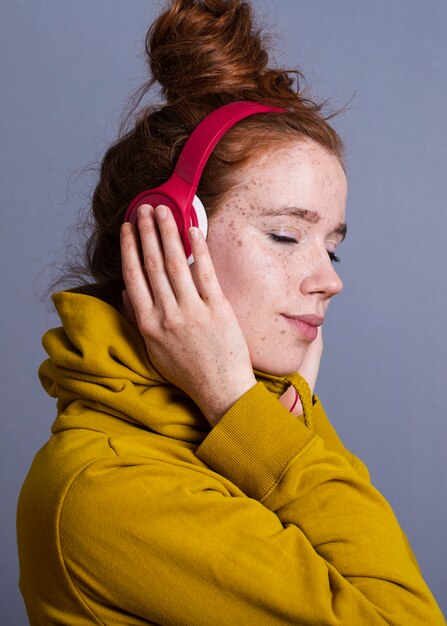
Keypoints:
pixel 285 533
pixel 323 427
pixel 336 535
pixel 361 564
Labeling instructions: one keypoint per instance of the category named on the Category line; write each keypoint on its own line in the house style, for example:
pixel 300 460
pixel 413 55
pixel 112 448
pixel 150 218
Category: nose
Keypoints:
pixel 322 278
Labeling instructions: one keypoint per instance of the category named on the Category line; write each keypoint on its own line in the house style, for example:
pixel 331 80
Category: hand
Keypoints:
pixel 191 332
pixel 308 370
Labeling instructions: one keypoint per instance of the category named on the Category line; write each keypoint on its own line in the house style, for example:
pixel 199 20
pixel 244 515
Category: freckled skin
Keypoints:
pixel 265 279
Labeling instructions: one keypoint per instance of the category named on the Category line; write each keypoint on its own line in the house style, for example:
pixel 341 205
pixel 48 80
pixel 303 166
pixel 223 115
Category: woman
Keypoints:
pixel 192 477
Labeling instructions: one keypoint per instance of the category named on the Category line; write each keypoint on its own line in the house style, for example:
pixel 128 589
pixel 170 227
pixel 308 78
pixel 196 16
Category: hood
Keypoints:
pixel 98 362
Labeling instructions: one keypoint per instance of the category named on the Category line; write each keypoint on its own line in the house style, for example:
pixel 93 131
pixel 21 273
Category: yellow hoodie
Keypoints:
pixel 136 512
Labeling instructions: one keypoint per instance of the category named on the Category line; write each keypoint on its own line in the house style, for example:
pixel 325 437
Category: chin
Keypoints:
pixel 278 365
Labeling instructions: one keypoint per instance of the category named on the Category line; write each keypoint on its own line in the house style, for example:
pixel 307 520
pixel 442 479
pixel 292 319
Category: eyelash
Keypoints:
pixel 334 258
pixel 289 240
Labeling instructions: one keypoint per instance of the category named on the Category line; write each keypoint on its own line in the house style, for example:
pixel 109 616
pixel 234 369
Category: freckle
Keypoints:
pixel 263 338
pixel 283 332
pixel 239 243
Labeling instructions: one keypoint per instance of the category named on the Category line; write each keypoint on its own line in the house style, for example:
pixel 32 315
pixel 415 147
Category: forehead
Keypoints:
pixel 300 174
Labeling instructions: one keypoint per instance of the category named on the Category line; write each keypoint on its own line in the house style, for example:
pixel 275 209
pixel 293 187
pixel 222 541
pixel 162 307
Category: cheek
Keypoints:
pixel 252 285
pixel 254 277
pixel 236 279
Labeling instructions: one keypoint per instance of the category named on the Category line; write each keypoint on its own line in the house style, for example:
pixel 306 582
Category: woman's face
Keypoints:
pixel 271 241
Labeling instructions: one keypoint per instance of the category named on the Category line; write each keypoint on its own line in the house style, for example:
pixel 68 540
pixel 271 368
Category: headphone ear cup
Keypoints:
pixel 198 216
pixel 154 198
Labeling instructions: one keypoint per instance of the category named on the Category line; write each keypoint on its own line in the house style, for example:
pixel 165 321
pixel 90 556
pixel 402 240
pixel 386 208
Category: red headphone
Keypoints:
pixel 179 191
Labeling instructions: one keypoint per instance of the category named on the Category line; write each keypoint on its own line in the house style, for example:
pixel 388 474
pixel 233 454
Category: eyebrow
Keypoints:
pixel 313 217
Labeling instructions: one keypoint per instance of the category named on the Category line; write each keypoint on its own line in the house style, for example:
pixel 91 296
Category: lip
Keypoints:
pixel 307 325
pixel 312 320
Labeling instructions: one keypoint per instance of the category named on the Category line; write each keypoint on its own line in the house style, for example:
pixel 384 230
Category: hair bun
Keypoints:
pixel 197 48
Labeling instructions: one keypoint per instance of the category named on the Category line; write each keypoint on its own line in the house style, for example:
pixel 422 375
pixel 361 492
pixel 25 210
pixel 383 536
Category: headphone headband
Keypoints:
pixel 203 139
pixel 179 191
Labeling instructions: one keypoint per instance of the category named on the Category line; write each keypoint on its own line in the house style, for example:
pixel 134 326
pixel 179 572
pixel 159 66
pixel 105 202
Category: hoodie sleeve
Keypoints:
pixel 271 528
pixel 360 569
pixel 323 427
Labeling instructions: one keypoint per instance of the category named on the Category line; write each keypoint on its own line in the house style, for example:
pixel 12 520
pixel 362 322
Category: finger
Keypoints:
pixel 291 400
pixel 310 365
pixel 205 274
pixel 319 337
pixel 176 264
pixel 127 308
pixel 154 262
pixel 134 276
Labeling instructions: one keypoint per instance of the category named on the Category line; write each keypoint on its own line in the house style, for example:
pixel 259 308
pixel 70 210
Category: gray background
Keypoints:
pixel 67 69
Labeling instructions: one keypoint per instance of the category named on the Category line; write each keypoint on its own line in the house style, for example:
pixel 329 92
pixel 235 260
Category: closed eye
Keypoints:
pixel 289 240
pixel 282 238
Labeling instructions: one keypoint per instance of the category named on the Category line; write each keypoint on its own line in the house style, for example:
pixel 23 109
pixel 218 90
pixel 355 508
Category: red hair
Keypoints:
pixel 203 54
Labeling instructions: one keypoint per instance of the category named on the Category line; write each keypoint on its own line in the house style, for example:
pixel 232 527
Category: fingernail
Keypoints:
pixel 143 210
pixel 162 212
pixel 194 233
